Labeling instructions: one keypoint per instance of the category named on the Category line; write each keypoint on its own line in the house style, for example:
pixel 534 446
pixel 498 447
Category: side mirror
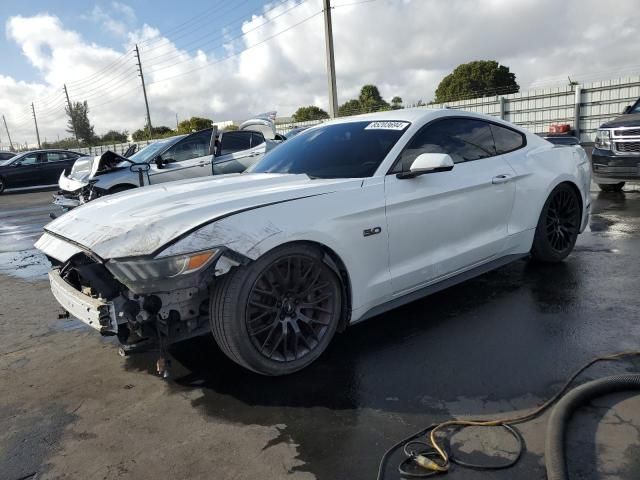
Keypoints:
pixel 428 163
pixel 159 162
pixel 626 110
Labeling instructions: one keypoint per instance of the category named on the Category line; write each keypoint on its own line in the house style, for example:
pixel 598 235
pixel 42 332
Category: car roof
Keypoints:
pixel 420 114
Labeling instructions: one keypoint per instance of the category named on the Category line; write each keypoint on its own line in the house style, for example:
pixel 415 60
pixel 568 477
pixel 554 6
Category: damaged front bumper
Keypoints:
pixel 95 312
pixel 74 192
pixel 66 201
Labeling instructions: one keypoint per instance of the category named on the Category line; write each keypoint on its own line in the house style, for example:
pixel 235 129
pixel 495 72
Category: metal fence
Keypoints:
pixel 584 107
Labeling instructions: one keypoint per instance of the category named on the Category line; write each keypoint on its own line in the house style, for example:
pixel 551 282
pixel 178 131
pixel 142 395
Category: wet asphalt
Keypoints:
pixel 501 343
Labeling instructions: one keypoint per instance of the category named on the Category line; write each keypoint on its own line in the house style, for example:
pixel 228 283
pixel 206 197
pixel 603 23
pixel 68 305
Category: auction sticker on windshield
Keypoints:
pixel 386 126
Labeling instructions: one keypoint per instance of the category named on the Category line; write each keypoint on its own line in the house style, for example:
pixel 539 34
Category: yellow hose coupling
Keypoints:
pixel 428 464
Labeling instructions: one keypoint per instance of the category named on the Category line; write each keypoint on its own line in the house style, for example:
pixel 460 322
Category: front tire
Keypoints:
pixel 611 187
pixel 558 225
pixel 2 185
pixel 277 315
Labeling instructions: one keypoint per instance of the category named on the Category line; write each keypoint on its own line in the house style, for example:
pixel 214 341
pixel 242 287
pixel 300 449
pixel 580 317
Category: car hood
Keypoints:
pixel 86 168
pixel 629 120
pixel 142 221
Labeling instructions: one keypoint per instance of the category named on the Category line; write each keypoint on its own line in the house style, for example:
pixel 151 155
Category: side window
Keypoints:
pixel 56 156
pixel 256 139
pixel 506 140
pixel 190 147
pixel 31 159
pixel 235 142
pixel 465 139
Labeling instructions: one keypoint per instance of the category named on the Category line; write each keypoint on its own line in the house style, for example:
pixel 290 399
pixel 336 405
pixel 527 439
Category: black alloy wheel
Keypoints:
pixel 278 313
pixel 558 226
pixel 563 220
pixel 290 308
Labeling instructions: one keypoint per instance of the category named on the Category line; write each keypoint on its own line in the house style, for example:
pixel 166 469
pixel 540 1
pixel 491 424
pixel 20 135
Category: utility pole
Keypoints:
pixel 144 89
pixel 331 66
pixel 8 136
pixel 176 121
pixel 73 123
pixel 35 120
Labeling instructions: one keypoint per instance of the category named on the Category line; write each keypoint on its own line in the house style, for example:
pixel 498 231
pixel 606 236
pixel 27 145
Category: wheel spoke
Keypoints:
pixel 309 320
pixel 264 328
pixel 291 306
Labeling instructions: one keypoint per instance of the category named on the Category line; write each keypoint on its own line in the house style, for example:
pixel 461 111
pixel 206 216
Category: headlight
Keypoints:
pixel 141 270
pixel 603 139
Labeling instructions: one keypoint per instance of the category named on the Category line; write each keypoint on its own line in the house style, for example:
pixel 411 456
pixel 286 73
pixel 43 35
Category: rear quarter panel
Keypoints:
pixel 539 169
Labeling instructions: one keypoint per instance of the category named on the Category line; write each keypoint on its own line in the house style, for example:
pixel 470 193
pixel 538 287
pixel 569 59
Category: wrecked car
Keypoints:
pixel 343 222
pixel 198 154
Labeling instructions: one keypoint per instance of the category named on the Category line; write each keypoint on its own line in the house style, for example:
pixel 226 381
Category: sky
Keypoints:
pixel 227 60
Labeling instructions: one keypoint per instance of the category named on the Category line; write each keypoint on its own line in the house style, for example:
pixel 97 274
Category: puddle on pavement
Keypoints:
pixel 26 264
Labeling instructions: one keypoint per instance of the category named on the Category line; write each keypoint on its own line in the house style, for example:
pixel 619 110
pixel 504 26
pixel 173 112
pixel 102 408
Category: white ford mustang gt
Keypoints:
pixel 344 221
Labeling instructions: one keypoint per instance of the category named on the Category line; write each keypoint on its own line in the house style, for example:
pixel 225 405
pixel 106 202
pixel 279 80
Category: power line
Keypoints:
pixel 210 64
pixel 107 86
pixel 84 80
pixel 222 36
pixel 166 35
pixel 195 19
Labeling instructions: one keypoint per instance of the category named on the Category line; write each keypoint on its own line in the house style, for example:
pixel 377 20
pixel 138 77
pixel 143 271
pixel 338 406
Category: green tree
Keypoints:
pixel 65 143
pixel 156 132
pixel 194 124
pixel 79 118
pixel 371 100
pixel 114 136
pixel 304 114
pixel 396 103
pixel 480 78
pixel 350 107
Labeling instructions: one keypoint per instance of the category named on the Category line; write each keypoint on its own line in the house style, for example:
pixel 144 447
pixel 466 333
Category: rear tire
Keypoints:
pixel 2 185
pixel 611 187
pixel 558 225
pixel 278 314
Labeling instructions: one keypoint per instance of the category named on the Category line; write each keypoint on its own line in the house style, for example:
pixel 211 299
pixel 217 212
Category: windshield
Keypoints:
pixel 151 150
pixel 635 108
pixel 4 163
pixel 344 150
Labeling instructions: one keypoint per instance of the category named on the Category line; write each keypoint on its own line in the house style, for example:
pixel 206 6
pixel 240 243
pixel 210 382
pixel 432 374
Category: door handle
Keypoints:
pixel 504 178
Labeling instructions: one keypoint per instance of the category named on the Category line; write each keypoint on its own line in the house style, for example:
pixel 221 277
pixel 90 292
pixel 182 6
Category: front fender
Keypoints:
pixel 336 222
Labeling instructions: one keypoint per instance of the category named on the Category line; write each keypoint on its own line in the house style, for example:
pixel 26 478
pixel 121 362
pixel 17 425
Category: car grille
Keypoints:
pixel 628 147
pixel 627 132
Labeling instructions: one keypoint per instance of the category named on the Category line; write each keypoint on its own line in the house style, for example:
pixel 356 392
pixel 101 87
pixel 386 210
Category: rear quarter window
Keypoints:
pixel 506 140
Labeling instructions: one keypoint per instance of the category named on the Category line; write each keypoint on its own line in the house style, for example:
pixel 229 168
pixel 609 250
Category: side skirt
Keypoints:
pixel 441 285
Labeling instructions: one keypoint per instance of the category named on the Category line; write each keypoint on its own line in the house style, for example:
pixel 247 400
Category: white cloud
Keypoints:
pixel 118 19
pixel 403 47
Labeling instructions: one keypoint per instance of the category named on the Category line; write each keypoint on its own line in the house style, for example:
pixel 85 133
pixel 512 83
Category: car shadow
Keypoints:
pixel 464 347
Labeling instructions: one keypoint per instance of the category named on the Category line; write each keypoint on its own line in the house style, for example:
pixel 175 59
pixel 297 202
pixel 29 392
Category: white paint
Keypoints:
pixel 432 226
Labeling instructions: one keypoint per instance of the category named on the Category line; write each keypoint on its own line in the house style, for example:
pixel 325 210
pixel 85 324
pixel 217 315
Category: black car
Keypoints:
pixel 35 169
pixel 616 154
pixel 6 155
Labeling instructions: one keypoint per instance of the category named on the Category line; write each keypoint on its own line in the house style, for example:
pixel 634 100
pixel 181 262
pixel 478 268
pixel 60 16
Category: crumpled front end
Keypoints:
pixel 79 186
pixel 126 299
pixel 73 192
